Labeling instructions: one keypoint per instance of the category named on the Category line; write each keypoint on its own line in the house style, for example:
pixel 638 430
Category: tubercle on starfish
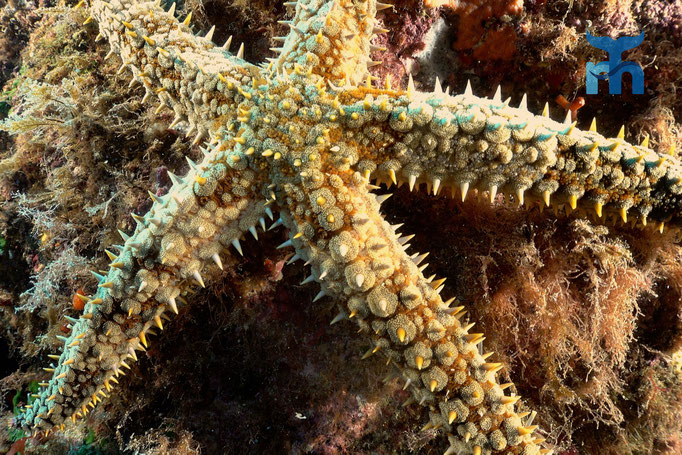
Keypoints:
pixel 290 136
pixel 465 142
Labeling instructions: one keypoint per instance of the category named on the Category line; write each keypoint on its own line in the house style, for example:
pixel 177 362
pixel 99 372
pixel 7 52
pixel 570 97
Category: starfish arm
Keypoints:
pixel 202 83
pixel 175 246
pixel 331 39
pixel 465 142
pixel 357 257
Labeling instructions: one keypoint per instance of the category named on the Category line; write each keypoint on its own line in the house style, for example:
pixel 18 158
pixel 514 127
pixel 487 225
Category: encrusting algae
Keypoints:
pixel 303 137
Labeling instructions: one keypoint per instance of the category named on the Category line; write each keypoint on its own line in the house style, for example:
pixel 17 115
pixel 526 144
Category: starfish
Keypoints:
pixel 304 136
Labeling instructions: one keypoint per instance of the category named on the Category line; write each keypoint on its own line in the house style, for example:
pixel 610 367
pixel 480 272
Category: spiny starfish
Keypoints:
pixel 303 136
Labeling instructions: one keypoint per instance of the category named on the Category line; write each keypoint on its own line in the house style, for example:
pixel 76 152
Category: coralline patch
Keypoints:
pixel 408 22
pixel 475 31
pixel 666 18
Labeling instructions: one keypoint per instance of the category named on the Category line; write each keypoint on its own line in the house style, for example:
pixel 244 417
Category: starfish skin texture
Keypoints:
pixel 303 137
